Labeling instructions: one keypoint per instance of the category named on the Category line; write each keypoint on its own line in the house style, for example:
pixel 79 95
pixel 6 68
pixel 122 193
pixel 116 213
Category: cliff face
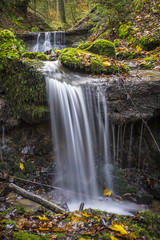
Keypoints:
pixel 134 98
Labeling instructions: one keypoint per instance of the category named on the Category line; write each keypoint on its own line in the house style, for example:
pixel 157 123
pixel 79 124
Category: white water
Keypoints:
pixel 79 122
pixel 47 41
pixel 76 131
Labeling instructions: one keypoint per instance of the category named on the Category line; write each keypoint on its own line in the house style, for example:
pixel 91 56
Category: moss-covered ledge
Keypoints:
pixel 25 90
pixel 85 61
pixel 23 85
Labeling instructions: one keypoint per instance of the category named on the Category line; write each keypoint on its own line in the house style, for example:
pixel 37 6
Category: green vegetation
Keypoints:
pixel 85 61
pixel 84 45
pixel 35 55
pixel 24 86
pixel 103 47
pixel 125 30
pixel 24 235
pixel 42 56
pixel 10 48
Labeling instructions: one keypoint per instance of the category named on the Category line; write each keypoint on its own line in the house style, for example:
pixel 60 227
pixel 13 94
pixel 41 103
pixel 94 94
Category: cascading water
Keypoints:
pixel 47 41
pixel 79 123
pixel 79 137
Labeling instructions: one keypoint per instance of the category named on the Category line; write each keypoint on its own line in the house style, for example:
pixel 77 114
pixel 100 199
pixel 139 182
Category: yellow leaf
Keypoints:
pixel 107 192
pixel 85 214
pixel 118 228
pixel 81 238
pixel 132 236
pixel 78 51
pixel 42 218
pixel 138 48
pixel 21 165
pixel 106 64
pixel 113 238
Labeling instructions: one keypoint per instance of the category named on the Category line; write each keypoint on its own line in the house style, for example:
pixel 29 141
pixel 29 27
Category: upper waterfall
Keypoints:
pixel 47 41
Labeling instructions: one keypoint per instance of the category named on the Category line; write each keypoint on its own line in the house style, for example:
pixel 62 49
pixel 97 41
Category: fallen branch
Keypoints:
pixel 39 13
pixel 36 183
pixel 53 206
pixel 48 186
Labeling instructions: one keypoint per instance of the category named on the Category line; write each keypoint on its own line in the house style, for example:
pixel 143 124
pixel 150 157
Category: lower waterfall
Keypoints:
pixel 79 123
pixel 80 135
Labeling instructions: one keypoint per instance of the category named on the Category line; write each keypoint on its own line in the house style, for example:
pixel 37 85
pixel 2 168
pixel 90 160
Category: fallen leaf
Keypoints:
pixel 107 192
pixel 42 218
pixel 21 165
pixel 118 228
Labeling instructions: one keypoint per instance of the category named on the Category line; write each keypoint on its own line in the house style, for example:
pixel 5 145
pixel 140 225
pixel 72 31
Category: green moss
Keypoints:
pixel 102 47
pixel 22 83
pixel 106 236
pixel 127 54
pixel 10 48
pixel 149 59
pixel 4 166
pixel 117 42
pixel 88 62
pixel 20 209
pixel 24 87
pixel 35 29
pixel 149 227
pixel 105 34
pixel 146 66
pixel 30 55
pixel 97 66
pixel 42 56
pixel 3 214
pixel 84 45
pixel 148 43
pixel 7 221
pixel 132 189
pixel 29 167
pixel 23 235
pixel 125 30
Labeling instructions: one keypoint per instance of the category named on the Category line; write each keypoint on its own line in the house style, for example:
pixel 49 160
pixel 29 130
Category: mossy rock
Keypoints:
pixel 103 47
pixel 128 54
pixel 85 61
pixel 29 167
pixel 149 59
pixel 42 56
pixel 85 45
pixel 30 55
pixel 125 30
pixel 25 91
pixel 146 66
pixel 6 36
pixel 10 48
pixel 24 235
pixel 148 43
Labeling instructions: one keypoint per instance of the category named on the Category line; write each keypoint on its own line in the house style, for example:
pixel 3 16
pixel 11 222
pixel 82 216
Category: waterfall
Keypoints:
pixel 79 124
pixel 47 41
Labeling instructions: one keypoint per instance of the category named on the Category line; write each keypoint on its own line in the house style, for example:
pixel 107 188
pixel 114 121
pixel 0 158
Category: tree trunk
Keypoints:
pixel 53 206
pixel 61 10
pixel 22 5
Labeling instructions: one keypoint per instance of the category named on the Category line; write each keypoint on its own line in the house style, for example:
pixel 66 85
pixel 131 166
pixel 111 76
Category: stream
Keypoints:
pixel 81 140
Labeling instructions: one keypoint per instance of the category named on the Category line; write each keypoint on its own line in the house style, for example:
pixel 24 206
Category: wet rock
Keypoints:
pixel 156 191
pixel 143 91
pixel 48 52
pixel 129 197
pixel 142 197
